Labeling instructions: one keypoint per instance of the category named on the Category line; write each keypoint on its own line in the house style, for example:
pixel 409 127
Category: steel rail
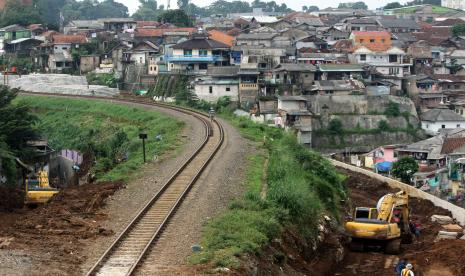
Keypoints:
pixel 176 202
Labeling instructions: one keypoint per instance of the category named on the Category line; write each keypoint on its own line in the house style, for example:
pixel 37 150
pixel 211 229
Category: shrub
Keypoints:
pixel 383 125
pixel 392 109
pixel 335 127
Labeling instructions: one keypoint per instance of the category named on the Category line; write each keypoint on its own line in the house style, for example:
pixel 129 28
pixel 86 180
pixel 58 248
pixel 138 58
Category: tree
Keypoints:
pixel 404 168
pixel 148 10
pixel 355 5
pixel 458 30
pixel 392 5
pixel 312 9
pixel 182 4
pixel 16 13
pixel 176 17
pixel 17 128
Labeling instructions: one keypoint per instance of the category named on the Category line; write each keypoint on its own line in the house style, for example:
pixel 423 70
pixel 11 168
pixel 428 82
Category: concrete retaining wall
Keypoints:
pixel 457 212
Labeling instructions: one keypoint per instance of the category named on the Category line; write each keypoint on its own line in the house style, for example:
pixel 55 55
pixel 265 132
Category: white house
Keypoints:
pixel 389 62
pixel 434 120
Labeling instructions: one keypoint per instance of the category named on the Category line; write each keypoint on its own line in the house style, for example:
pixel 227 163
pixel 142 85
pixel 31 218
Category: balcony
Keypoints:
pixel 248 86
pixel 187 58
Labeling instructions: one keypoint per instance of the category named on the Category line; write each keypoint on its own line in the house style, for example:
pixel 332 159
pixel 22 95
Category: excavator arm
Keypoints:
pixel 390 201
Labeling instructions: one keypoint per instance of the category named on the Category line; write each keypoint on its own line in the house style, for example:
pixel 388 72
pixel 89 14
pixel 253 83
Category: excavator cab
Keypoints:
pixel 386 225
pixel 38 190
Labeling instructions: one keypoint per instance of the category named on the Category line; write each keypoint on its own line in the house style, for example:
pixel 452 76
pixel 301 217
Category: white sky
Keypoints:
pixel 294 4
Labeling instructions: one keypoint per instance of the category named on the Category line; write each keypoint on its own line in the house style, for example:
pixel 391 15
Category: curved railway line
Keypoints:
pixel 129 249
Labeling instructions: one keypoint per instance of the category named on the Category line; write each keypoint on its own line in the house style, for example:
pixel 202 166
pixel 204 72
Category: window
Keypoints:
pixel 188 52
pixel 392 58
pixel 372 40
pixel 228 89
pixel 203 53
pixel 456 86
pixel 210 89
pixel 383 40
pixel 458 125
pixel 427 125
pixel 64 48
pixel 140 60
pixel 443 126
pixel 461 111
pixel 203 66
pixel 363 57
pixel 361 40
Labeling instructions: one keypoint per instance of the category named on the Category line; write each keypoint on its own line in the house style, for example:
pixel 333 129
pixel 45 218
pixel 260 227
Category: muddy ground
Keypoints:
pixel 291 255
pixel 427 256
pixel 50 238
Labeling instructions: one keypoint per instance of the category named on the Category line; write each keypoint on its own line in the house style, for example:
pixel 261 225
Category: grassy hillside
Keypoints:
pixel 108 131
pixel 292 190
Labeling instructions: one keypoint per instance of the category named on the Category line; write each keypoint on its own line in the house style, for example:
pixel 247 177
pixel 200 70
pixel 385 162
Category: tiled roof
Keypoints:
pixel 221 37
pixel 451 144
pixel 204 43
pixel 441 115
pixel 160 32
pixel 69 39
pixel 449 22
pixel 398 23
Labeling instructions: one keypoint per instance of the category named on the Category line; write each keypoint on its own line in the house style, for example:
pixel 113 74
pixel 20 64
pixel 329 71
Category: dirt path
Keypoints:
pixel 427 256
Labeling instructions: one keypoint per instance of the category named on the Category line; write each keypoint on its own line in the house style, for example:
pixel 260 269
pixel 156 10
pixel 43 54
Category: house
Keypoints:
pixel 14 32
pixel 249 87
pixel 89 63
pixel 312 42
pixel 373 40
pixel 255 39
pixel 293 114
pixel 310 57
pixel 361 24
pixel 426 152
pixel 83 26
pixel 340 71
pixel 435 120
pixel 21 47
pixel 385 153
pixel 399 25
pixel 303 17
pixel 295 78
pixel 333 34
pixel 119 24
pixel 219 82
pixel 195 55
pixel 144 55
pixel 61 57
pixel 338 87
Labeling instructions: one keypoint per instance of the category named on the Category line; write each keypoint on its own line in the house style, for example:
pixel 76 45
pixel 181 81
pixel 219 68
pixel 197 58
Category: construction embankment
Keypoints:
pixel 457 212
pixel 58 84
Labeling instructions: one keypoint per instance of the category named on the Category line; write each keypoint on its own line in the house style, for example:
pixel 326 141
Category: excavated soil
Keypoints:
pixel 290 255
pixel 427 256
pixel 52 235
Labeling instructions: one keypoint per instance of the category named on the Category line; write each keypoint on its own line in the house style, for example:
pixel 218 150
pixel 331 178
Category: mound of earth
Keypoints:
pixel 52 233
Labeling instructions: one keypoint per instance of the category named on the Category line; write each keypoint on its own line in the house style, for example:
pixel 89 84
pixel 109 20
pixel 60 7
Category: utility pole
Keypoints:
pixel 143 136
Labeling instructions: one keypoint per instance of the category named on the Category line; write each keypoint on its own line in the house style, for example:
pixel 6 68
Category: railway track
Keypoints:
pixel 129 249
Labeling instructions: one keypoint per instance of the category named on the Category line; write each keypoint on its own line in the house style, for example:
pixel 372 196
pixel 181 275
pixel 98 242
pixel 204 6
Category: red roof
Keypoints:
pixel 161 32
pixel 69 39
pixel 452 144
pixel 142 24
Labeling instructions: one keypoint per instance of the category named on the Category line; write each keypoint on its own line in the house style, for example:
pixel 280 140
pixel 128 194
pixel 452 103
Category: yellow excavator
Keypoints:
pixel 38 189
pixel 386 225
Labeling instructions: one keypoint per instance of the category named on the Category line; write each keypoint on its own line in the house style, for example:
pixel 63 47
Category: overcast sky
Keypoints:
pixel 294 4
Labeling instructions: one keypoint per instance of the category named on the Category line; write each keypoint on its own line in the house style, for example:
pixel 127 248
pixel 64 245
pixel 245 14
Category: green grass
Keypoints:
pixel 301 186
pixel 110 131
pixel 435 9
